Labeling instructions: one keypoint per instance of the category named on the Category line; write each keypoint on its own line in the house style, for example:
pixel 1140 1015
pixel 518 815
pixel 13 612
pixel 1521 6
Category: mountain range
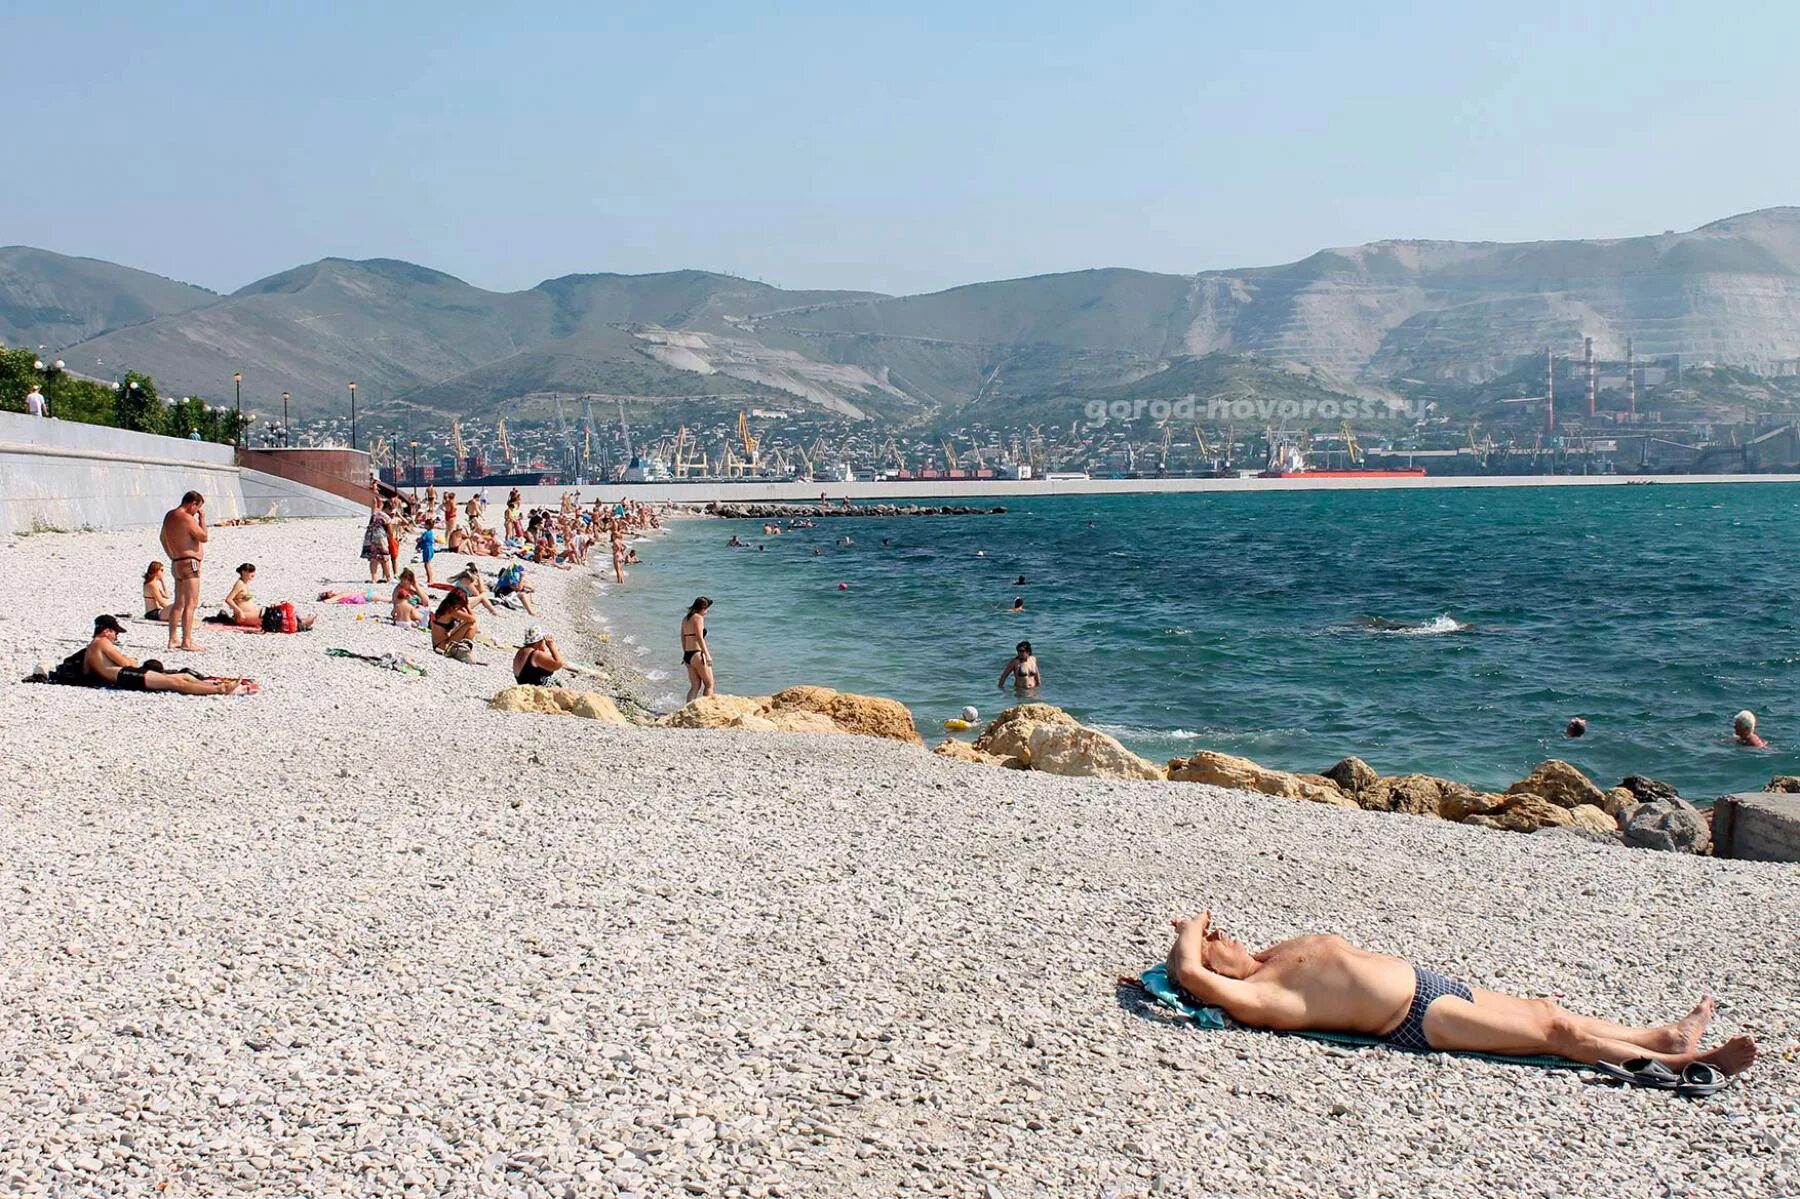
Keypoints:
pixel 1356 319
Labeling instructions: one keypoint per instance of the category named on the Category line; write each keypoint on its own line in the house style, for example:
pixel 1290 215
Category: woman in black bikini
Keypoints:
pixel 694 653
pixel 538 660
pixel 453 630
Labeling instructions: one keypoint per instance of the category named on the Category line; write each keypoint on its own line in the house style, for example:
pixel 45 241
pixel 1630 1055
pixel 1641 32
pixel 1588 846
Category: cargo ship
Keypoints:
pixel 1287 460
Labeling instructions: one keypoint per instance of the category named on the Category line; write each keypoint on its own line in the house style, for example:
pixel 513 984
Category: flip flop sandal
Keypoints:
pixel 1700 1079
pixel 1641 1072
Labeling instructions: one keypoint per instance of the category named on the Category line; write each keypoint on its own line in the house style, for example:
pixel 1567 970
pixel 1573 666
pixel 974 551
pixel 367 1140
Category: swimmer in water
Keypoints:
pixel 1022 669
pixel 1019 582
pixel 1575 728
pixel 1743 727
pixel 1018 604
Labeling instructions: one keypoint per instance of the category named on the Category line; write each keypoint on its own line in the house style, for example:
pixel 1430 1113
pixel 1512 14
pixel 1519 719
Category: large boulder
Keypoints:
pixel 1523 813
pixel 1241 774
pixel 1561 783
pixel 1788 783
pixel 711 712
pixel 962 751
pixel 1617 800
pixel 1648 790
pixel 865 715
pixel 797 720
pixel 1083 753
pixel 1423 795
pixel 557 701
pixel 1009 734
pixel 1671 825
pixel 1589 817
pixel 1352 775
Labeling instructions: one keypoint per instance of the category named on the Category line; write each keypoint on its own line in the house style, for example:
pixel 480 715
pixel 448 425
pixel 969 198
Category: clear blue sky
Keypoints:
pixel 906 149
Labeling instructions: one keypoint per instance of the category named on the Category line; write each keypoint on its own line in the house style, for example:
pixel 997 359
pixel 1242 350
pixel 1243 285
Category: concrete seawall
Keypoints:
pixel 64 475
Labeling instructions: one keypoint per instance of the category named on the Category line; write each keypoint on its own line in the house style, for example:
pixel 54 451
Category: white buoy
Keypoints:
pixel 970 714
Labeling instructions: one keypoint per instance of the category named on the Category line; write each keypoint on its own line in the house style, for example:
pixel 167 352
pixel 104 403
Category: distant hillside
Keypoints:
pixel 53 300
pixel 1388 313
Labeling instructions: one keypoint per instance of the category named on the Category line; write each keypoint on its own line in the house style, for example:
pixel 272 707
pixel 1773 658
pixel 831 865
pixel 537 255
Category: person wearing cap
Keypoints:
pixel 104 664
pixel 538 660
pixel 1743 727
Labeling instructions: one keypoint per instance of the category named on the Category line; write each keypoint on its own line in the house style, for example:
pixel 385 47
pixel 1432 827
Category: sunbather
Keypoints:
pixel 453 629
pixel 156 594
pixel 101 663
pixel 1325 984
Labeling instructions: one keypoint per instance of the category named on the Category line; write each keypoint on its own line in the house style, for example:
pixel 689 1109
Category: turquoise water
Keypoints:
pixel 1452 632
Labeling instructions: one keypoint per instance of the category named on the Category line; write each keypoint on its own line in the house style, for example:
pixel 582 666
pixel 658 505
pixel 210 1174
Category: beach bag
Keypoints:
pixel 279 618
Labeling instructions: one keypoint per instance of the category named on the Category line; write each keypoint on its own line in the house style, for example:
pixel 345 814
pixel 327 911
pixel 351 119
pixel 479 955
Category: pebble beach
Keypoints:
pixel 357 934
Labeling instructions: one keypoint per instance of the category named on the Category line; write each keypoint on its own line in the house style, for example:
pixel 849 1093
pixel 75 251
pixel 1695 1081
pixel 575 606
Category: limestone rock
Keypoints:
pixel 1423 795
pixel 711 712
pixel 1588 816
pixel 1009 734
pixel 866 715
pixel 798 720
pixel 1083 753
pixel 1523 813
pixel 1619 799
pixel 962 751
pixel 557 701
pixel 1672 825
pixel 1561 783
pixel 1241 774
pixel 756 722
pixel 1352 775
pixel 1784 782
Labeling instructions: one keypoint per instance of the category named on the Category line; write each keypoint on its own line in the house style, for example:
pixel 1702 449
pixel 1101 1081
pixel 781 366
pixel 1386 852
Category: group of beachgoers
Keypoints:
pixel 561 538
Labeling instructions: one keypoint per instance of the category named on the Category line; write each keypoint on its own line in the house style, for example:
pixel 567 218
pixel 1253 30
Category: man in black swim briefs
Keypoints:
pixel 1326 984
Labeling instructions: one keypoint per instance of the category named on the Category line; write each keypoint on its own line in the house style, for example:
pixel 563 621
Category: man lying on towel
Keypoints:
pixel 101 663
pixel 1326 984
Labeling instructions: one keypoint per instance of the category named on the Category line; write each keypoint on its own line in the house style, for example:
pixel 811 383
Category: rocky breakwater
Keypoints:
pixel 813 511
pixel 1555 796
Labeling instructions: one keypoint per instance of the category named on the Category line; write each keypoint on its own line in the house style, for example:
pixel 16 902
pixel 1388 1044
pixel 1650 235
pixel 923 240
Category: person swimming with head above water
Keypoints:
pixel 1743 729
pixel 1023 669
pixel 1326 984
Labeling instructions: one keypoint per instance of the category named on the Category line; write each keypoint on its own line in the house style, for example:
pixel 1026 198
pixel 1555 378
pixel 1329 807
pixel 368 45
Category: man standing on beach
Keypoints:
pixel 184 539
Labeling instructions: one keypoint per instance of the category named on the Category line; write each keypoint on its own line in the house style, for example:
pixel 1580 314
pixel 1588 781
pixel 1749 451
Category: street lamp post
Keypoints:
pixel 415 471
pixel 353 416
pixel 287 430
pixel 237 381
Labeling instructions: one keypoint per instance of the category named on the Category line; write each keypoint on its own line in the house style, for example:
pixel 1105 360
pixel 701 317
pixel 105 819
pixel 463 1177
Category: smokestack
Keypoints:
pixel 1630 379
pixel 1593 379
pixel 1550 391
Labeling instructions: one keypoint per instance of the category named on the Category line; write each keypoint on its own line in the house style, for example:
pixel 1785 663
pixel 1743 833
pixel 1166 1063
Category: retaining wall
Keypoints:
pixel 58 474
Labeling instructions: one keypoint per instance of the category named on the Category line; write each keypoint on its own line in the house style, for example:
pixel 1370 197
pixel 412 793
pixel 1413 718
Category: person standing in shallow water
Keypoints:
pixel 695 656
pixel 1022 669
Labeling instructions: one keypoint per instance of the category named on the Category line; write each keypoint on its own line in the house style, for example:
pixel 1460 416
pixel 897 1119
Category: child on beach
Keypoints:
pixel 428 547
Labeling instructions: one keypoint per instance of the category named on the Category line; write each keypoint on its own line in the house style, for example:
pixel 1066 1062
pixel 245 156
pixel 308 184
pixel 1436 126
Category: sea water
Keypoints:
pixel 1450 632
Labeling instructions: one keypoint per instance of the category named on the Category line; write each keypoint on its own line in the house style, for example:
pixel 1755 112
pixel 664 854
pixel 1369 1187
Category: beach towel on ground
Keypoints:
pixel 394 662
pixel 1157 984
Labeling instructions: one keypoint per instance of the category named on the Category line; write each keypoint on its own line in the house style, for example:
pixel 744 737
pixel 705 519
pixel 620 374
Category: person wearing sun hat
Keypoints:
pixel 538 660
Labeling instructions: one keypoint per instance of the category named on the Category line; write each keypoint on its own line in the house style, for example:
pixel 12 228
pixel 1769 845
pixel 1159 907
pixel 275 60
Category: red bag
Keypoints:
pixel 280 618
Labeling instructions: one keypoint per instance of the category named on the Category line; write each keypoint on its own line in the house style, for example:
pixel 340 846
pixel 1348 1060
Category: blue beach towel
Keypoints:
pixel 1157 984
